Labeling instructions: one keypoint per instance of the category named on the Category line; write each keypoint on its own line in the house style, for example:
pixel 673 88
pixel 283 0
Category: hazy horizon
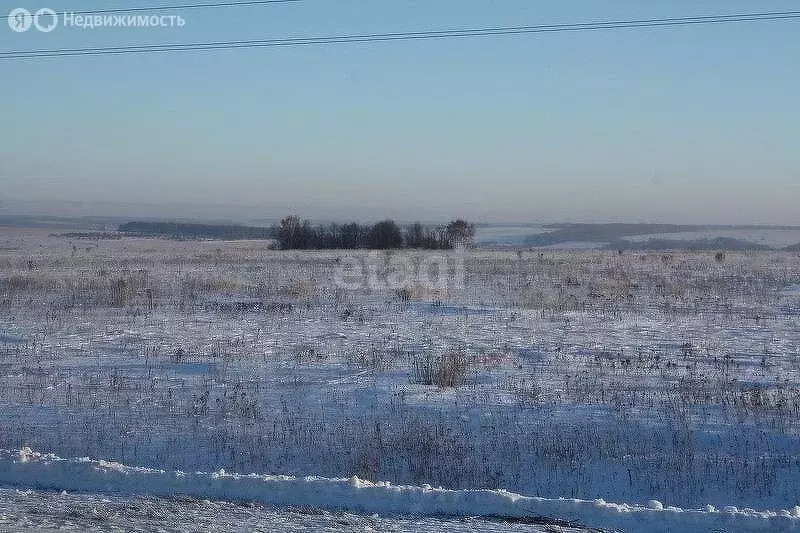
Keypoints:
pixel 261 214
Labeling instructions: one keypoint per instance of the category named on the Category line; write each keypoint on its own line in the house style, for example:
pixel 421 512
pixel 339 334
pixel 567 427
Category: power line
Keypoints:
pixel 248 3
pixel 405 36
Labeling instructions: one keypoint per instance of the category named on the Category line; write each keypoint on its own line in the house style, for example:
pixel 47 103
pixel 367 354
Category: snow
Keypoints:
pixel 28 510
pixel 29 468
pixel 791 290
pixel 671 382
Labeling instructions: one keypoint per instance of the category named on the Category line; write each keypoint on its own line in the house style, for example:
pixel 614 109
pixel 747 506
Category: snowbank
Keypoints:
pixel 30 469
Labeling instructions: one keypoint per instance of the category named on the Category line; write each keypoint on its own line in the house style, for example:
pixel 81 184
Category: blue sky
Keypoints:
pixel 686 124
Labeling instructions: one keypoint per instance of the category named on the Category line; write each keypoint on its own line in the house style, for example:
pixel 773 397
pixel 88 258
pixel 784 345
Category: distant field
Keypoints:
pixel 586 236
pixel 506 235
pixel 774 238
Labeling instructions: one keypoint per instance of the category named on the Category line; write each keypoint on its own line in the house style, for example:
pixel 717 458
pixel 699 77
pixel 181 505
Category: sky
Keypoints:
pixel 691 124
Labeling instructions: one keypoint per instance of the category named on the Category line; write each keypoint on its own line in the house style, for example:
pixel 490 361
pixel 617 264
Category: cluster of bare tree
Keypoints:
pixel 296 233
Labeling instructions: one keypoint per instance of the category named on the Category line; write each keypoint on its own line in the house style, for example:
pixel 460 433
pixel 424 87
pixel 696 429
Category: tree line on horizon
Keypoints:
pixel 188 230
pixel 294 233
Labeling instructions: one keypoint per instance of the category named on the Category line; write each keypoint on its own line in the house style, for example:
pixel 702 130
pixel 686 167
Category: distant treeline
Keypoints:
pixel 293 234
pixel 180 230
pixel 562 233
pixel 600 232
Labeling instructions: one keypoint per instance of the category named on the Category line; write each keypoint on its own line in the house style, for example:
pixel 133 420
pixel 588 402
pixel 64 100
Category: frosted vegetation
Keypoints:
pixel 587 374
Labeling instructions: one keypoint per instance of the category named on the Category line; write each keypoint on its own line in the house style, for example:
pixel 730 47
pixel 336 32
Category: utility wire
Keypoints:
pixel 404 36
pixel 247 3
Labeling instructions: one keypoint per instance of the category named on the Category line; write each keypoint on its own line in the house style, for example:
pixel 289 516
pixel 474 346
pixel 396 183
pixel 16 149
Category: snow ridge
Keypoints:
pixel 26 468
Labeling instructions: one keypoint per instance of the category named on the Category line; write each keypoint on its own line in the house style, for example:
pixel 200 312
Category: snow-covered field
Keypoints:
pixel 774 238
pixel 27 510
pixel 45 511
pixel 667 381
